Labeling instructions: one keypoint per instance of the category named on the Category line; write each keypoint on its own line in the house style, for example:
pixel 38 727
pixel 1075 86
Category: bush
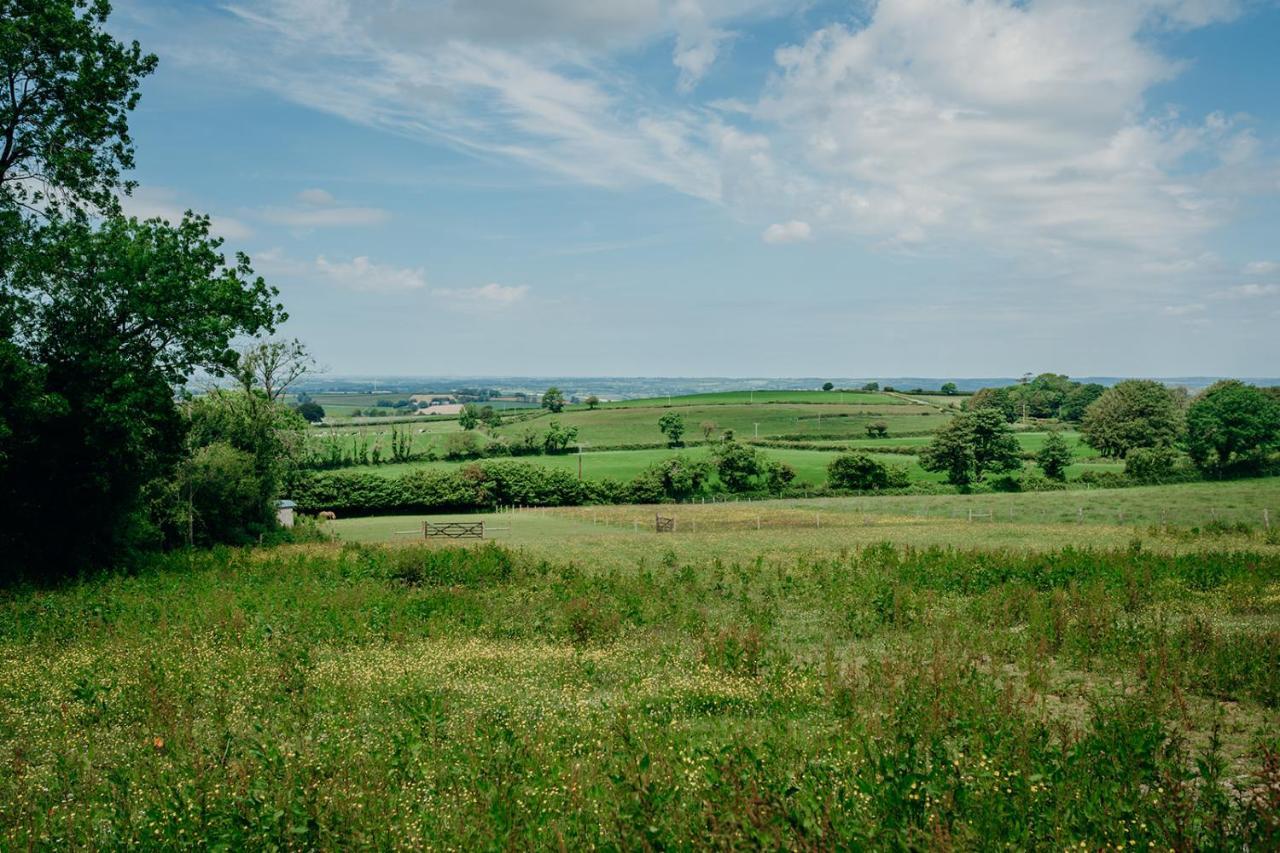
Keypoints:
pixel 462 445
pixel 1150 464
pixel 859 472
pixel 675 478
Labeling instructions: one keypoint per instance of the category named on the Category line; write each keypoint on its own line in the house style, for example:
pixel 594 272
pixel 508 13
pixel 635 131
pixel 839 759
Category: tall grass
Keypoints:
pixel 354 696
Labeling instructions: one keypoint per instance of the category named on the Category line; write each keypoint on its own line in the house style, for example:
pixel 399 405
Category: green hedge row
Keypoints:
pixel 482 485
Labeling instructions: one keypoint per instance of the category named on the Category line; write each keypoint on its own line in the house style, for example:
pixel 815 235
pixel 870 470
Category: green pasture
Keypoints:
pixel 723 398
pixel 639 425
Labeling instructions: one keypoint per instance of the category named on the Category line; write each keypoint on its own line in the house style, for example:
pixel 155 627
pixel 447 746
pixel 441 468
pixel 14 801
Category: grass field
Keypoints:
pixel 980 685
pixel 639 424
pixel 723 398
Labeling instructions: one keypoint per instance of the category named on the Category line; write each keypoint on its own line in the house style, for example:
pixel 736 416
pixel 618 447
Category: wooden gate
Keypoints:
pixel 453 530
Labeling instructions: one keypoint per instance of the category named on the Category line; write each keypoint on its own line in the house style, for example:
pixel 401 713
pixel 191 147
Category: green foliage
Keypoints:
pixel 859 472
pixel 1231 426
pixel 65 106
pixel 877 429
pixel 871 386
pixel 311 411
pixel 999 399
pixel 676 478
pixel 1054 457
pixel 469 417
pixel 592 401
pixel 972 445
pixel 828 386
pixel 225 499
pixel 117 316
pixel 463 445
pixel 949 388
pixel 558 438
pixel 737 465
pixel 672 426
pixel 553 400
pixel 1151 464
pixel 778 477
pixel 1133 413
pixel 1078 400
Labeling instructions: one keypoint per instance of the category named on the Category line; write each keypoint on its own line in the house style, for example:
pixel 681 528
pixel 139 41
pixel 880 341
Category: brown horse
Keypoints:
pixel 327 515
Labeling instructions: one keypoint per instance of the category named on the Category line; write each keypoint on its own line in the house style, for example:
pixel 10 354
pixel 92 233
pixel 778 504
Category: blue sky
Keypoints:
pixel 735 187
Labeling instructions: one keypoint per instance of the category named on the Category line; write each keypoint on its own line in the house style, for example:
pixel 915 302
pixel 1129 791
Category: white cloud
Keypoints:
pixel 1183 310
pixel 317 197
pixel 319 209
pixel 1017 123
pixel 794 231
pixel 360 273
pixel 1250 291
pixel 490 295
pixel 1019 126
pixel 1261 268
pixel 166 203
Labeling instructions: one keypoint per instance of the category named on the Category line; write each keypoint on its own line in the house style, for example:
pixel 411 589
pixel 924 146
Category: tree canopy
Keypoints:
pixel 970 446
pixel 1231 425
pixel 1131 414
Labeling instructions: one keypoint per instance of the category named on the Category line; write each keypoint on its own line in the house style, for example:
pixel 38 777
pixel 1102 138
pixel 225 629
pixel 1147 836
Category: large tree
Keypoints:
pixel 101 316
pixel 971 445
pixel 1134 413
pixel 117 317
pixel 66 90
pixel 1231 425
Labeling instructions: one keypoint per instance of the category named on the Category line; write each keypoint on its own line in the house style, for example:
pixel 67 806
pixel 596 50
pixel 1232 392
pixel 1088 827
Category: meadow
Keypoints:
pixel 887 681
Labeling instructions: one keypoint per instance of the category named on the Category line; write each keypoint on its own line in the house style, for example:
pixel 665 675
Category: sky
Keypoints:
pixel 734 187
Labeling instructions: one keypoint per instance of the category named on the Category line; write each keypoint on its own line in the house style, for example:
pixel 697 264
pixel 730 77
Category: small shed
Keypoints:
pixel 284 512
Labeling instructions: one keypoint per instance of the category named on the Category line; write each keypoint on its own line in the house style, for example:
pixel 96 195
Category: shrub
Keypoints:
pixel 1150 464
pixel 462 445
pixel 859 472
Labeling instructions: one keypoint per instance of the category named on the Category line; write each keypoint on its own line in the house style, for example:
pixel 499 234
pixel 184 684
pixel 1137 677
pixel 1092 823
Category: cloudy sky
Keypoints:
pixel 735 187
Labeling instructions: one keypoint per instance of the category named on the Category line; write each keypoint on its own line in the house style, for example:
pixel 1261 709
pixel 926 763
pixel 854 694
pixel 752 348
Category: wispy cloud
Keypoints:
pixel 318 208
pixel 794 231
pixel 490 295
pixel 166 203
pixel 360 273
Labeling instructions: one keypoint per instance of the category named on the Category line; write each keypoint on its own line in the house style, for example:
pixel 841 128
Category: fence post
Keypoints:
pixel 1080 514
pixel 1266 519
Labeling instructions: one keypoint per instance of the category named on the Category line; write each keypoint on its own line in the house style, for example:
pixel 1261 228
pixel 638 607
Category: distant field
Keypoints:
pixel 639 424
pixel 763 397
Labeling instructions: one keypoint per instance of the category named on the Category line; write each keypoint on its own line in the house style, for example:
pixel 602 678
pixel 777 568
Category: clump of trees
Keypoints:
pixel 1132 414
pixel 1049 395
pixel 101 315
pixel 743 468
pixel 1231 428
